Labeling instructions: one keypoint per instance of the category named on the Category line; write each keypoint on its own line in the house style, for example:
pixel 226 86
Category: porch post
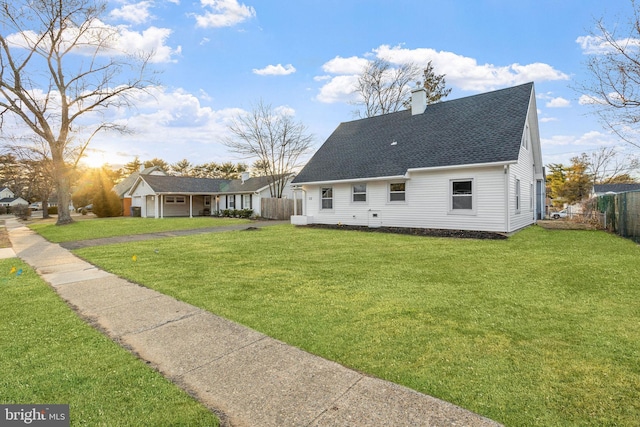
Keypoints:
pixel 190 205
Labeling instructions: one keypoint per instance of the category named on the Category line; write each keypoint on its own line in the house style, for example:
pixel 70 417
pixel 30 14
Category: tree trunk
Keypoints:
pixel 61 173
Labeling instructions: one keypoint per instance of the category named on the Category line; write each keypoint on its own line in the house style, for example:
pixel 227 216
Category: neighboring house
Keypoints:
pixel 170 196
pixel 123 187
pixel 472 163
pixel 602 189
pixel 8 198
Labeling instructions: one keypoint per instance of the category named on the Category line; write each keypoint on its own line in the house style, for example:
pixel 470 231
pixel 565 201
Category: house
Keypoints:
pixel 160 196
pixel 8 198
pixel 122 188
pixel 472 163
pixel 602 189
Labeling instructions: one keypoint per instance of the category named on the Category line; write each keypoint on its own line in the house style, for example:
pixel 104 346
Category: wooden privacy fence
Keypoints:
pixel 279 208
pixel 620 213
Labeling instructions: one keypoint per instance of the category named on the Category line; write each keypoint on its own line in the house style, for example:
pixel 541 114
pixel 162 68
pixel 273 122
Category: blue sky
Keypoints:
pixel 219 57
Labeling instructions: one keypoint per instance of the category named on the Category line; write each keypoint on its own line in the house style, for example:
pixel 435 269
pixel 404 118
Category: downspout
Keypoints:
pixel 507 198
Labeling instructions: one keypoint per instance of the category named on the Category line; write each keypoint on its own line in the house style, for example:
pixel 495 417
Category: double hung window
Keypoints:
pixel 326 196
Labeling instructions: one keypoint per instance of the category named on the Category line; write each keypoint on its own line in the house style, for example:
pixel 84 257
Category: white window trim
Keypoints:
pixel 531 196
pixel 474 190
pixel 389 193
pixel 322 208
pixel 353 193
pixel 175 200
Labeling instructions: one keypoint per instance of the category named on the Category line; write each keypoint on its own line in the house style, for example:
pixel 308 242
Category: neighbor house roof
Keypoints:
pixel 123 187
pixel 615 188
pixel 188 185
pixel 485 128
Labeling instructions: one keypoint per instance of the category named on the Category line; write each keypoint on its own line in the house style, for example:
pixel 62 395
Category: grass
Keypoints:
pixel 49 355
pixel 123 226
pixel 540 329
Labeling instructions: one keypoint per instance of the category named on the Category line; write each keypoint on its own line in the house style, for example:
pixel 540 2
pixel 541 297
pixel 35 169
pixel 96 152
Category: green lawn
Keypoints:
pixel 49 355
pixel 122 226
pixel 540 329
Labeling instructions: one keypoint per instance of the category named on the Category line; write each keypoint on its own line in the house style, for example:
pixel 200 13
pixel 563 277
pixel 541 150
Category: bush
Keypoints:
pixel 52 210
pixel 235 213
pixel 21 211
pixel 107 204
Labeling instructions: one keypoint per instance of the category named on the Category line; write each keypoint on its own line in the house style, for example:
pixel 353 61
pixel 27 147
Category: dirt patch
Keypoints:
pixel 4 237
pixel 563 224
pixel 429 232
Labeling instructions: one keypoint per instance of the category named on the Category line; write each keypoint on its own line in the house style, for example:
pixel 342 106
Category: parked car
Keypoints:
pixel 558 215
pixel 35 206
pixel 88 208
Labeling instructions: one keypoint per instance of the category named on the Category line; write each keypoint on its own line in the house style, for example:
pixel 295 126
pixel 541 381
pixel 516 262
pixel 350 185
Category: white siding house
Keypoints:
pixel 468 164
pixel 177 196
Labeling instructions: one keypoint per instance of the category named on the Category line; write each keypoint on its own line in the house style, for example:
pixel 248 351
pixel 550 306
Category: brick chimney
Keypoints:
pixel 418 99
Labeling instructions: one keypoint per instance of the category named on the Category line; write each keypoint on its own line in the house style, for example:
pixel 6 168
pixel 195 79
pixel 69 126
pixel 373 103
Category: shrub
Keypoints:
pixel 52 210
pixel 21 211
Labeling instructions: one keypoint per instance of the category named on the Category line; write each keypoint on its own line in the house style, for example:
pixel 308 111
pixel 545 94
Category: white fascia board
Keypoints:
pixel 345 181
pixel 470 166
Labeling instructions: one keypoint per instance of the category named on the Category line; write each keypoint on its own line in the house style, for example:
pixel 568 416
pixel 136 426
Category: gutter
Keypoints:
pixel 409 171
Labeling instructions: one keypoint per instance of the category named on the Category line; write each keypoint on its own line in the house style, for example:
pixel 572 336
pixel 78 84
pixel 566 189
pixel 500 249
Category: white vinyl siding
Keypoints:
pixel 427 205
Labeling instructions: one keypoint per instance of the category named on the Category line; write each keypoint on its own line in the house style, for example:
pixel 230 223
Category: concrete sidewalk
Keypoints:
pixel 247 378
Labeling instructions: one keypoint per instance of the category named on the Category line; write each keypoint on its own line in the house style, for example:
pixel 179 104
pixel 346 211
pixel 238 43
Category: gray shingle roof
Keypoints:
pixel 123 187
pixel 615 188
pixel 485 128
pixel 187 185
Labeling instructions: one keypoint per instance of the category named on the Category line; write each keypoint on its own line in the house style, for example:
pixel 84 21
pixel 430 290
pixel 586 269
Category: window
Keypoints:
pixel 531 197
pixel 462 195
pixel 397 192
pixel 246 201
pixel 517 196
pixel 327 197
pixel 231 201
pixel 174 200
pixel 207 200
pixel 360 193
pixel 525 138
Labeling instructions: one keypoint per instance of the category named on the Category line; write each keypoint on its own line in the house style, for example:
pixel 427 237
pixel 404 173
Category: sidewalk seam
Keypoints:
pixel 222 356
pixel 333 403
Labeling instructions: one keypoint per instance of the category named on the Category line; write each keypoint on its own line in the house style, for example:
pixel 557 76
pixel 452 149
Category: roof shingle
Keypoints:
pixel 485 128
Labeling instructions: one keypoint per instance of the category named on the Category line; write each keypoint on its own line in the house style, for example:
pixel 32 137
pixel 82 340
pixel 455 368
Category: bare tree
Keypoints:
pixel 606 165
pixel 59 73
pixel 614 69
pixel 273 138
pixel 383 89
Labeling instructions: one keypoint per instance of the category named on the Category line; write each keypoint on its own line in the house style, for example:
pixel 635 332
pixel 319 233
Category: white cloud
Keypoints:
pixel 275 70
pixel 339 65
pixel 151 40
pixel 589 139
pixel 548 119
pixel 460 71
pixel 598 45
pixel 136 13
pixel 118 40
pixel 181 126
pixel 339 89
pixel 223 13
pixel 284 110
pixel 558 102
